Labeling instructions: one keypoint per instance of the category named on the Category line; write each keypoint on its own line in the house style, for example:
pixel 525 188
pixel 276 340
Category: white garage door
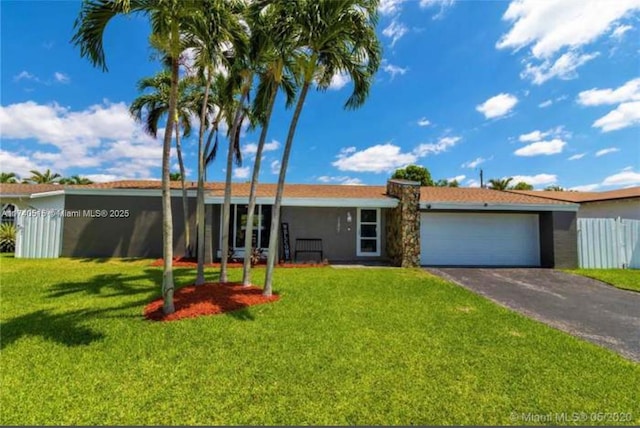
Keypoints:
pixel 479 239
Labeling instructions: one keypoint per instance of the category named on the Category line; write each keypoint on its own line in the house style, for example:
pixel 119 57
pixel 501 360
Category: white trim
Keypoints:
pixel 312 202
pixel 46 194
pixel 359 238
pixel 497 207
pixel 126 192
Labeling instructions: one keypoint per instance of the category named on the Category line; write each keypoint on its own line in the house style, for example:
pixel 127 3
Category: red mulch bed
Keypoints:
pixel 192 263
pixel 208 299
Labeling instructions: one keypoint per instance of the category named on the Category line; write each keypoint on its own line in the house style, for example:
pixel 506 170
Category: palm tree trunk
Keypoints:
pixel 185 200
pixel 248 239
pixel 226 207
pixel 167 221
pixel 200 209
pixel 275 215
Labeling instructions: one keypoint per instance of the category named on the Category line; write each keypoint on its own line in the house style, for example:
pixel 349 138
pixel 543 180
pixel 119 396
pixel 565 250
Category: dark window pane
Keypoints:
pixel 265 226
pixel 368 216
pixel 368 246
pixel 368 230
pixel 241 222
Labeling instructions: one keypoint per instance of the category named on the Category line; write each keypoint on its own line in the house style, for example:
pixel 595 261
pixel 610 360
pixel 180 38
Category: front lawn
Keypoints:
pixel 627 279
pixel 340 347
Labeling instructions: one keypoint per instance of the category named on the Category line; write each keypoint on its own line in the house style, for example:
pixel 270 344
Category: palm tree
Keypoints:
pixel 156 104
pixel 46 177
pixel 216 38
pixel 275 62
pixel 76 179
pixel 8 177
pixel 168 19
pixel 334 36
pixel 500 183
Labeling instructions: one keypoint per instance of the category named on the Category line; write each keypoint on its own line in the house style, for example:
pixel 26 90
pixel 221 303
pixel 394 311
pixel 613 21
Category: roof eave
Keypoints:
pixel 492 206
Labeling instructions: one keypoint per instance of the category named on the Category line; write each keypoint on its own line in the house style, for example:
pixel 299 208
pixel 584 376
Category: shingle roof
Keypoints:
pixel 27 189
pixel 478 195
pixel 307 191
pixel 631 192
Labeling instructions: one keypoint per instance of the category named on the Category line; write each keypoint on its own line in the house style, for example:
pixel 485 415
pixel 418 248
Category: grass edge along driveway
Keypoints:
pixel 625 279
pixel 341 347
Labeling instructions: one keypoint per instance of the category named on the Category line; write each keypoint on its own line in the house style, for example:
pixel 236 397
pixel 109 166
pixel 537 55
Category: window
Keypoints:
pixel 368 233
pixel 260 230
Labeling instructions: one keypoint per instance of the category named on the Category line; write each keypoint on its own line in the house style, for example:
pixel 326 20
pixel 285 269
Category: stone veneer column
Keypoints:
pixel 403 223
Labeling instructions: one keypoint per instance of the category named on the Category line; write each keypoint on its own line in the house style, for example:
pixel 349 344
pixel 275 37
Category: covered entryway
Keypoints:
pixel 479 239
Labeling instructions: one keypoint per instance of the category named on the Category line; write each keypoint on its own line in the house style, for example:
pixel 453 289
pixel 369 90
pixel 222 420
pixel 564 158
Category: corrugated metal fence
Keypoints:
pixel 608 243
pixel 38 235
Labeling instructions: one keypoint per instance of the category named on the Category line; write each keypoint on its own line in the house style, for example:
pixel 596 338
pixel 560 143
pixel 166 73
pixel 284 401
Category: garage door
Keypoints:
pixel 479 239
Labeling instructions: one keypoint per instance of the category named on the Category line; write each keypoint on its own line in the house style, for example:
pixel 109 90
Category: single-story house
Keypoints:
pixel 402 223
pixel 623 203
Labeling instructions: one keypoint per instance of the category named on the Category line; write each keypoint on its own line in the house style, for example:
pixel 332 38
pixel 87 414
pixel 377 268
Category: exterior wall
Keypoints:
pixel 403 224
pixel 623 208
pixel 139 235
pixel 558 240
pixel 339 238
pixel 39 235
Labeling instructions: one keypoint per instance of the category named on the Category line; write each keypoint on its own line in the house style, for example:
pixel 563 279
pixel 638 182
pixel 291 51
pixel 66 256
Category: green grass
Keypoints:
pixel 627 279
pixel 341 347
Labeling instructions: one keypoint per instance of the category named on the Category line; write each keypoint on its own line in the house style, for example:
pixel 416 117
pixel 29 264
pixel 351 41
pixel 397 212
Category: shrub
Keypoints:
pixel 7 238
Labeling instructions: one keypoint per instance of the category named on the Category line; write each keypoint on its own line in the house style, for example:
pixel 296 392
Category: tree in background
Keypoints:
pixel 446 183
pixel 46 177
pixel 554 188
pixel 76 179
pixel 500 183
pixel 8 177
pixel 521 186
pixel 416 173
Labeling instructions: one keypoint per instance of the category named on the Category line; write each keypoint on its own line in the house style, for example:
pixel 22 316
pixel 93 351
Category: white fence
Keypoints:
pixel 608 243
pixel 38 236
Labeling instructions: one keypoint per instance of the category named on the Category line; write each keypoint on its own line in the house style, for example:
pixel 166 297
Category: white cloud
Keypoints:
pixel 457 178
pixel 557 132
pixel 252 148
pixel 378 158
pixel 625 115
pixel 442 4
pixel 14 162
pixel 474 163
pixel 559 29
pixel 442 145
pixel 389 7
pixel 394 70
pixel 25 75
pixel 630 91
pixel 578 156
pixel 626 177
pixel 548 27
pixel 387 157
pixel 620 30
pixel 564 67
pixel 103 178
pixel 473 183
pixel 585 188
pixel 497 106
pixel 423 122
pixel 344 180
pixel 275 167
pixel 241 172
pixel 545 104
pixel 395 31
pixel 61 77
pixel 542 148
pixel 535 180
pixel 103 135
pixel 607 151
pixel 532 136
pixel 339 81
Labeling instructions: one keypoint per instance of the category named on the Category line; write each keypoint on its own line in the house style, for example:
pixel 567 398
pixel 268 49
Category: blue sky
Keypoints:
pixel 547 92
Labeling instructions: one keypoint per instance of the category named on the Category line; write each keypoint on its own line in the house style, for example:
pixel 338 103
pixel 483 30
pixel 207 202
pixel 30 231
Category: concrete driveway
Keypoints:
pixel 580 306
